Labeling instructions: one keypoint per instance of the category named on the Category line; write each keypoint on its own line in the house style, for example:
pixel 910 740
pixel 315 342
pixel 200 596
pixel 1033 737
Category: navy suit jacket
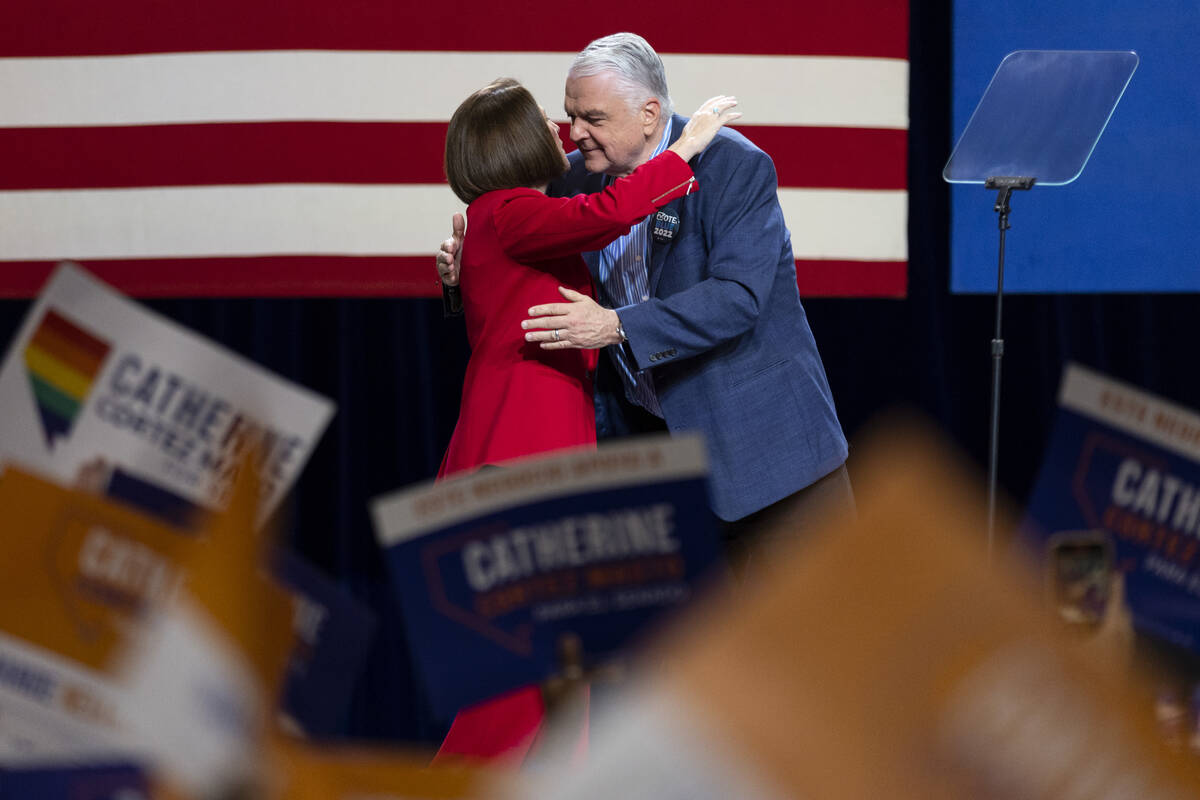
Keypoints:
pixel 724 333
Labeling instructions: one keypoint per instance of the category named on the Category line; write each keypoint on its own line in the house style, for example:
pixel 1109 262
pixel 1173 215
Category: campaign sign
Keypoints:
pixel 333 629
pixel 1123 471
pixel 75 782
pixel 493 568
pixel 79 576
pixel 92 377
pixel 333 634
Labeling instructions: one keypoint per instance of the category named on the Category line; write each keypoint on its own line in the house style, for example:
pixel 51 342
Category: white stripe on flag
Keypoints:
pixel 419 86
pixel 356 220
pixel 847 224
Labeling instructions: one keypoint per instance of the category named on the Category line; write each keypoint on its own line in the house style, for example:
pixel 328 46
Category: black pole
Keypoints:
pixel 1005 187
pixel 1002 208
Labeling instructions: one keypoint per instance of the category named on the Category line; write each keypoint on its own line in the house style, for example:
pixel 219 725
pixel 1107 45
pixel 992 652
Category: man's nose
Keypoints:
pixel 578 130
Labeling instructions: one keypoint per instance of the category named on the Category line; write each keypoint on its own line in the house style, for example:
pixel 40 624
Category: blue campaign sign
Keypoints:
pixel 1127 223
pixel 333 635
pixel 492 569
pixel 74 782
pixel 1125 465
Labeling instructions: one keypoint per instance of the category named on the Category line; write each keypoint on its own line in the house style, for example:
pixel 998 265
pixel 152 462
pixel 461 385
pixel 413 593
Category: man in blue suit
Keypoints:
pixel 698 305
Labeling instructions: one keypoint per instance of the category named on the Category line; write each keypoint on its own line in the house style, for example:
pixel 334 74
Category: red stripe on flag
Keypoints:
pixel 367 153
pixel 247 276
pixel 221 153
pixel 852 278
pixel 876 28
pixel 834 158
pixel 369 276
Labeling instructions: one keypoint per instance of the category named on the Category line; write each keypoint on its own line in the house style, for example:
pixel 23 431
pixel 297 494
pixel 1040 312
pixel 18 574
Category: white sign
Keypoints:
pixel 93 380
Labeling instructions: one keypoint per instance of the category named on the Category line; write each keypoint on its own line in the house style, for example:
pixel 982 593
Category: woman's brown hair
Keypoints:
pixel 498 139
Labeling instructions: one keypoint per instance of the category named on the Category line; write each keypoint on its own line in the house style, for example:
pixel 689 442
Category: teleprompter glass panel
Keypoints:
pixel 1041 115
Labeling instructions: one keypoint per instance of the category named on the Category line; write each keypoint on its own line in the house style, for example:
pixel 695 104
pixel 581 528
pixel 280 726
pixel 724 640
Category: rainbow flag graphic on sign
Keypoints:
pixel 63 361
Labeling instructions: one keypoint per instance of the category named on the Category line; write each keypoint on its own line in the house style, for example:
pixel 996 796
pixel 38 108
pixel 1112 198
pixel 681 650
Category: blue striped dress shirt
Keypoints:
pixel 625 279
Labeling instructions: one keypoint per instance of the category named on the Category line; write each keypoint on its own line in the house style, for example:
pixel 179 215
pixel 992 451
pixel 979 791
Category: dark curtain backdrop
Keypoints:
pixel 394 368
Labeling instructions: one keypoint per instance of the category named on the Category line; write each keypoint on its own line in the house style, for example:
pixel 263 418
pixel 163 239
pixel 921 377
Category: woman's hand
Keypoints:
pixel 447 257
pixel 704 124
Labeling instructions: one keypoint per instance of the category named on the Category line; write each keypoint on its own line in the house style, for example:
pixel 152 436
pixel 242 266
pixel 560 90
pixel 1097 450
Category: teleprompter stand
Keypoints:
pixel 1004 186
pixel 1037 123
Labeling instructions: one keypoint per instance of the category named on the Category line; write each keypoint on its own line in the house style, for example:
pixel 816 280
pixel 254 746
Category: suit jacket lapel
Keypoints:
pixel 592 259
pixel 660 250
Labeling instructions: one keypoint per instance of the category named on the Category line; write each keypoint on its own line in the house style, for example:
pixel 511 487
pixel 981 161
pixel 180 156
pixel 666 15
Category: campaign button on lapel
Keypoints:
pixel 666 225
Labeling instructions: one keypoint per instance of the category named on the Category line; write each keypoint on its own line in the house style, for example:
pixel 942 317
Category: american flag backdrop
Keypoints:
pixel 246 147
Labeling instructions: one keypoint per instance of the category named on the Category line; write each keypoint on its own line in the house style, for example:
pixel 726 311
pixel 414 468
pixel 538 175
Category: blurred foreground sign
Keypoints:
pixel 1122 476
pixel 333 631
pixel 883 658
pixel 305 771
pixel 492 568
pixel 95 381
pixel 79 574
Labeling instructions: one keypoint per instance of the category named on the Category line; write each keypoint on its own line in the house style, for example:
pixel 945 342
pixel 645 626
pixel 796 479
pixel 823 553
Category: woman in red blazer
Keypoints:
pixel 520 247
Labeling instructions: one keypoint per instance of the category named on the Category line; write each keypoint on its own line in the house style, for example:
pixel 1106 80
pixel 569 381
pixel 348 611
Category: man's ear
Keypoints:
pixel 651 112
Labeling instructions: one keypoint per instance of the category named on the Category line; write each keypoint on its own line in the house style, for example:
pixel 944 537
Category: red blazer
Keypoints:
pixel 520 247
pixel 517 398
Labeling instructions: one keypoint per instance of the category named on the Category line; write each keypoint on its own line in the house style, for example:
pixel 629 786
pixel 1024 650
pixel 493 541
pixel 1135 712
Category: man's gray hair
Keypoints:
pixel 637 67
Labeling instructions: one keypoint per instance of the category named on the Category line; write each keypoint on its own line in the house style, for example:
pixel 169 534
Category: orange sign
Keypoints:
pixel 79 570
pixel 307 772
pixel 887 658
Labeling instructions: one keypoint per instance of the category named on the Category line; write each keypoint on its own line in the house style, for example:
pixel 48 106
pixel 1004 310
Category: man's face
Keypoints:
pixel 554 131
pixel 614 138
